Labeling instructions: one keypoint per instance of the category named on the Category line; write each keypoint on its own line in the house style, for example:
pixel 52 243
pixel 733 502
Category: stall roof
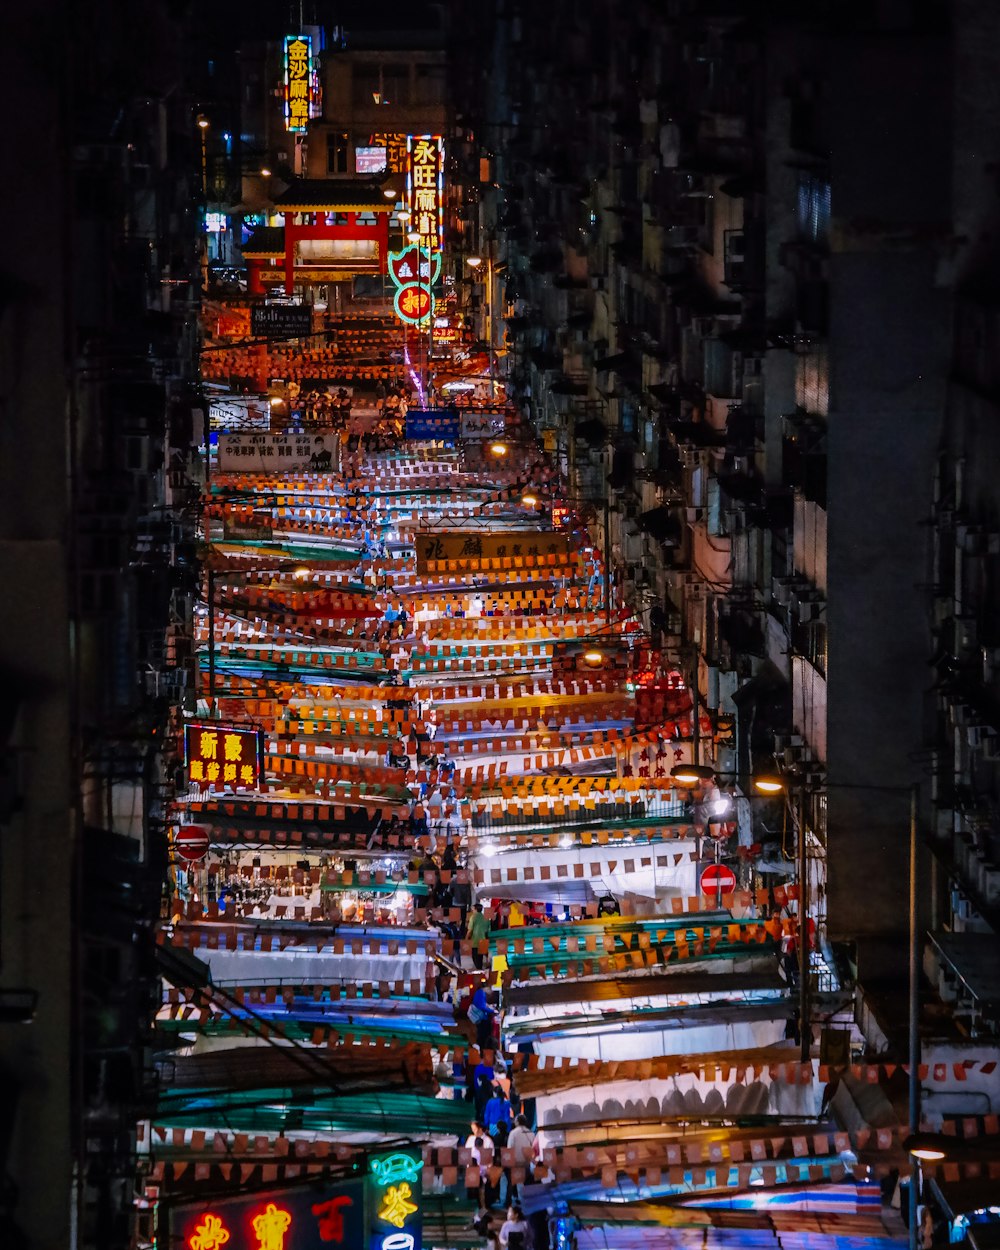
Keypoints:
pixel 333 194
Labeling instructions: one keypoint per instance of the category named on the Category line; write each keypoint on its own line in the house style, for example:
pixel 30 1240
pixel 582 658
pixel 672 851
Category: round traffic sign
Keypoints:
pixel 191 842
pixel 718 879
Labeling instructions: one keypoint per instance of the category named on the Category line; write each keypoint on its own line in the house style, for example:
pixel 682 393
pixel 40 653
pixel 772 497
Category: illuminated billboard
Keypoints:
pixel 291 1219
pixel 298 82
pixel 369 160
pixel 425 188
pixel 220 757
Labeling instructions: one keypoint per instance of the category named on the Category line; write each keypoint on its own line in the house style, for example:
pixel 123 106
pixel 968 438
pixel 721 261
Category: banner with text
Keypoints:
pixel 478 545
pixel 315 452
pixel 481 424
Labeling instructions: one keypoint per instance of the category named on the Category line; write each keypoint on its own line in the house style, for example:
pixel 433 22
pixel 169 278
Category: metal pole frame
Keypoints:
pixel 914 1022
pixel 805 1023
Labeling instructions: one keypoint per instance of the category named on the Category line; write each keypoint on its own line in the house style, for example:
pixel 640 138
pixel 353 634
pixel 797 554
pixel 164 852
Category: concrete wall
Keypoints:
pixel 36 886
pixel 889 338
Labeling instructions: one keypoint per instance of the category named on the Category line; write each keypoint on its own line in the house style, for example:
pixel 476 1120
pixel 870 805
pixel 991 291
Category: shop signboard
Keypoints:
pixel 433 423
pixel 299 84
pixel 477 545
pixel 370 160
pixel 425 188
pixel 280 321
pixel 479 424
pixel 394 145
pixel 318 451
pixel 394 1206
pixel 223 757
pixel 314 1217
pixel 236 412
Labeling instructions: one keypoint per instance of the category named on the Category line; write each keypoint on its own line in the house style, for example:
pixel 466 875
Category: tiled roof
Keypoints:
pixel 265 241
pixel 345 195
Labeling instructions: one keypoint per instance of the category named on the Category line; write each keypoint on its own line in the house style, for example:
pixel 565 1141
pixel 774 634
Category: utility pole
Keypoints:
pixel 805 1029
pixel 607 556
pixel 914 1023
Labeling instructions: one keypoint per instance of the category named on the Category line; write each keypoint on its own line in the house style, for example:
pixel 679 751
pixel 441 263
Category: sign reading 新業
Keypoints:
pixel 425 188
pixel 486 545
pixel 315 452
pixel 223 757
pixel 298 82
pixel 481 424
pixel 433 423
pixel 395 1216
pixel 280 321
pixel 308 1218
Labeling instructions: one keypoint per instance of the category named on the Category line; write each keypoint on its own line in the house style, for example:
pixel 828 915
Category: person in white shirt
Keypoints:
pixel 515 1233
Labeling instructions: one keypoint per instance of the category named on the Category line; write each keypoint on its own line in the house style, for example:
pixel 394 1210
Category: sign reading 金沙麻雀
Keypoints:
pixel 299 87
pixel 223 757
pixel 315 452
pixel 479 545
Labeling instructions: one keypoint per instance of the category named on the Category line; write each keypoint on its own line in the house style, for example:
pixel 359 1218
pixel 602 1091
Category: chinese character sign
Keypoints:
pixel 252 452
pixel 298 82
pixel 329 1218
pixel 425 188
pixel 395 150
pixel 394 1202
pixel 220 757
pixel 480 545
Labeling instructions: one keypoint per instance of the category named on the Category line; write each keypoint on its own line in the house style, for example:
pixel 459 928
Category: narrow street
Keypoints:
pixel 453 792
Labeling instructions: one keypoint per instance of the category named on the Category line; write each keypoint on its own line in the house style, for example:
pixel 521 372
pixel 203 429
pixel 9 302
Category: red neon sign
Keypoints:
pixel 210 1234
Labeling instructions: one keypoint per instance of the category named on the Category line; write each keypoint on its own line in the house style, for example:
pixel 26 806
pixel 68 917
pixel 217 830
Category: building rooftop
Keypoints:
pixel 333 194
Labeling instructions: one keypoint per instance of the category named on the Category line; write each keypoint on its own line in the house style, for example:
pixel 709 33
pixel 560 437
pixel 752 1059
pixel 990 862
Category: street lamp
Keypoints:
pixel 203 124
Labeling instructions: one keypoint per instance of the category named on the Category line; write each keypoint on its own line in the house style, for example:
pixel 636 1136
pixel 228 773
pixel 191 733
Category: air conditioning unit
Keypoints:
pixel 811 610
pixel 783 590
pixel 991 748
pixel 978 735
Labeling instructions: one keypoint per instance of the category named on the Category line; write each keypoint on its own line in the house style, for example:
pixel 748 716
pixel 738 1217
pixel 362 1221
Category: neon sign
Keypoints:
pixel 210 1234
pixel 425 188
pixel 414 272
pixel 271 1226
pixel 296 1218
pixel 222 757
pixel 298 82
pixel 395 1207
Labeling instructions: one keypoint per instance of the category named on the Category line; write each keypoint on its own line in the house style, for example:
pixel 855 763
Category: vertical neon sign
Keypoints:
pixel 425 188
pixel 298 82
pixel 395 1202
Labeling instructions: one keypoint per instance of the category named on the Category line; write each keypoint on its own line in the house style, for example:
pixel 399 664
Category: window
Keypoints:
pixel 336 152
pixel 396 84
pixel 813 209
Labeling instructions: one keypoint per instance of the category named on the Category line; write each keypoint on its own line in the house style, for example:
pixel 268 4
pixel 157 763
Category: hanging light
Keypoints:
pixel 769 784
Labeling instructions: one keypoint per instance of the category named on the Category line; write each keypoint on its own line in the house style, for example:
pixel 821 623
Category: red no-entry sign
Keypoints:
pixel 718 879
pixel 191 842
